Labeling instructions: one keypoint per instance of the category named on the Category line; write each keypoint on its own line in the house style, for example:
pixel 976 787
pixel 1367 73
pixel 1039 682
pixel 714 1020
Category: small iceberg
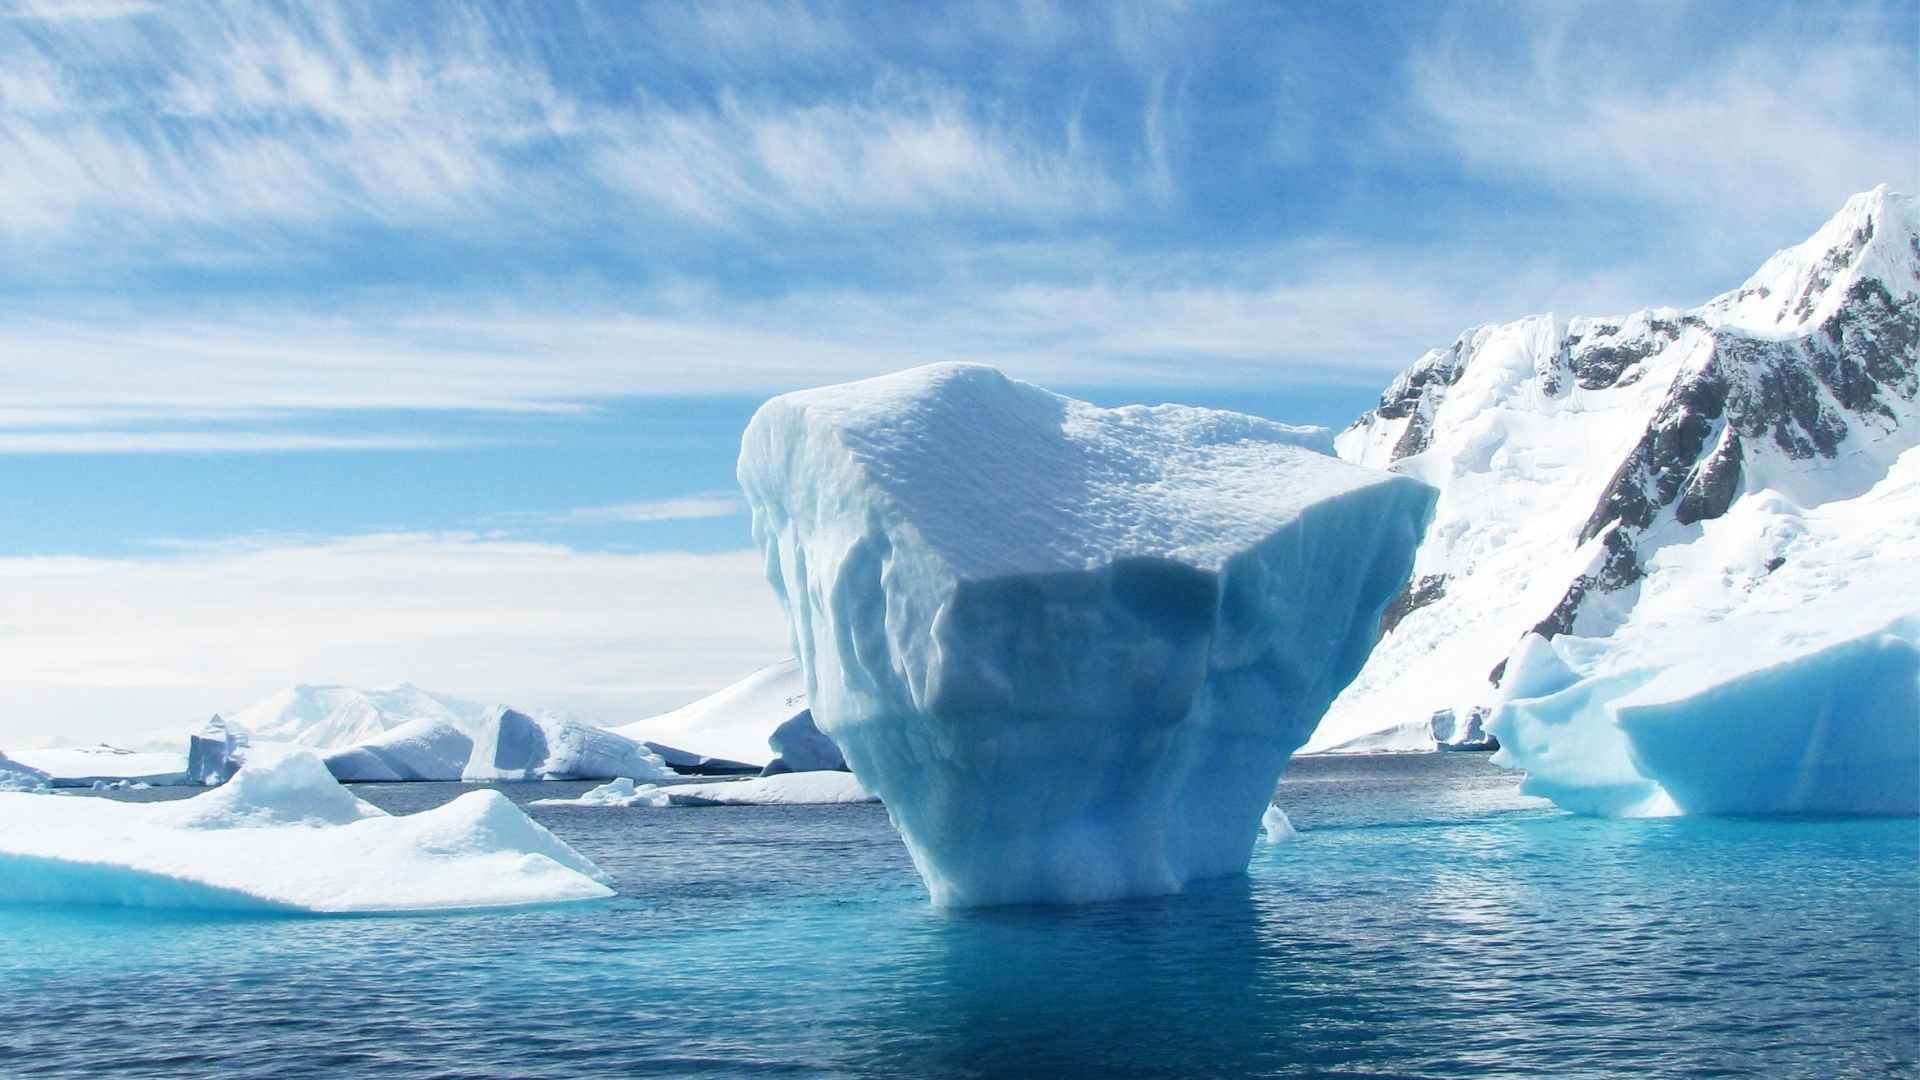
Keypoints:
pixel 283 835
pixel 1275 828
pixel 785 789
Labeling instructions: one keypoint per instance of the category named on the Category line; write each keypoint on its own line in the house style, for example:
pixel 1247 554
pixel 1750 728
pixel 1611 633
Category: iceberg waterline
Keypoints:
pixel 1070 648
pixel 283 835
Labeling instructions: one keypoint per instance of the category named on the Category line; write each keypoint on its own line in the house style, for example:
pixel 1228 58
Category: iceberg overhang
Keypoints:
pixel 1070 648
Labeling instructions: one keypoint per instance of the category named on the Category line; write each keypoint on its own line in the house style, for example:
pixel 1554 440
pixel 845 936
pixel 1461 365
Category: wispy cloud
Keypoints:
pixel 209 442
pixel 95 646
pixel 706 504
pixel 1772 130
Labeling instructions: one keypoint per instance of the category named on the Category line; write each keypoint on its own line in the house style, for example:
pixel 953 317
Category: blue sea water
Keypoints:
pixel 1427 922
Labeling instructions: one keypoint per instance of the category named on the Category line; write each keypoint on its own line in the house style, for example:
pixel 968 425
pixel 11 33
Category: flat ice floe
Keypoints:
pixel 784 789
pixel 1070 648
pixel 283 835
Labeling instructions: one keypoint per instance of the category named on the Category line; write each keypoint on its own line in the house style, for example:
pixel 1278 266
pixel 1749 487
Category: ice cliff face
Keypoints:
pixel 1589 468
pixel 1070 648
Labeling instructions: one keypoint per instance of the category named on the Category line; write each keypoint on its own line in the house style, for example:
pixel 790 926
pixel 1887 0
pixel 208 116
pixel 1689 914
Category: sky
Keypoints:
pixel 372 342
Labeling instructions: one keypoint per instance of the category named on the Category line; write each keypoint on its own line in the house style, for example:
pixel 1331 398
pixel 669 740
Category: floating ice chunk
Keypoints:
pixel 1790 720
pixel 511 745
pixel 785 789
pixel 1274 826
pixel 1069 647
pixel 215 752
pixel 424 749
pixel 283 835
pixel 799 746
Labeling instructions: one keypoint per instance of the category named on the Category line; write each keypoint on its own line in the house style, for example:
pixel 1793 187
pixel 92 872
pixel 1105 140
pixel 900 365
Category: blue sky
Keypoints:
pixel 334 336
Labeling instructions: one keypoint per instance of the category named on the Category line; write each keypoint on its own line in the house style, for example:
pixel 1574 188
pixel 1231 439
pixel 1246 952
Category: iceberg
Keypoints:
pixel 785 789
pixel 1275 828
pixel 1775 672
pixel 423 749
pixel 283 835
pixel 799 746
pixel 1776 726
pixel 510 745
pixel 215 752
pixel 1070 648
pixel 732 722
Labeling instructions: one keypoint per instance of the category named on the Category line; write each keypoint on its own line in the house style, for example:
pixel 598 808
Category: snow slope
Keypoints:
pixel 327 717
pixel 1069 647
pixel 283 835
pixel 1587 467
pixel 734 722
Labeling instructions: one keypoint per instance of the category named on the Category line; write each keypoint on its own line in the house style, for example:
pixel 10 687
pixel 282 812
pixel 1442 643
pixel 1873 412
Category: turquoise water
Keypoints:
pixel 1428 922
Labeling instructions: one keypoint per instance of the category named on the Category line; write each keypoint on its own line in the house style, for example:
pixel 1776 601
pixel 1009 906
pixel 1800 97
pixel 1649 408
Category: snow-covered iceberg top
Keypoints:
pixel 1069 647
pixel 784 789
pixel 284 835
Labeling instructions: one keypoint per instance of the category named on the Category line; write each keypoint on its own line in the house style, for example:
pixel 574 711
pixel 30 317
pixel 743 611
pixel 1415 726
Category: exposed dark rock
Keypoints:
pixel 1416 595
pixel 1712 489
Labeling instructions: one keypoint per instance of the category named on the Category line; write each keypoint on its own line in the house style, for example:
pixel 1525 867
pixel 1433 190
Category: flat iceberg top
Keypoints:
pixel 283 836
pixel 952 445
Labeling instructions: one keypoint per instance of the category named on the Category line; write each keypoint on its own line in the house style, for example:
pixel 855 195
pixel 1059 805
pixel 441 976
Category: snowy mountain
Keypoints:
pixel 328 717
pixel 1597 474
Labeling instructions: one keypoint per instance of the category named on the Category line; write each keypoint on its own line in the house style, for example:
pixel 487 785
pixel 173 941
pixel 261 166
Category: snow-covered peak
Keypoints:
pixel 1874 237
pixel 1575 458
pixel 331 716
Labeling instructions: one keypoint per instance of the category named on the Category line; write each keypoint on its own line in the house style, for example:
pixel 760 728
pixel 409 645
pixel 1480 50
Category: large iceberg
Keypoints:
pixel 1778 670
pixel 423 749
pixel 510 745
pixel 283 835
pixel 1069 647
pixel 732 722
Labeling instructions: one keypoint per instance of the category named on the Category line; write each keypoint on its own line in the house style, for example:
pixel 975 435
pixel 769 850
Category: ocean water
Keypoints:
pixel 1427 922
